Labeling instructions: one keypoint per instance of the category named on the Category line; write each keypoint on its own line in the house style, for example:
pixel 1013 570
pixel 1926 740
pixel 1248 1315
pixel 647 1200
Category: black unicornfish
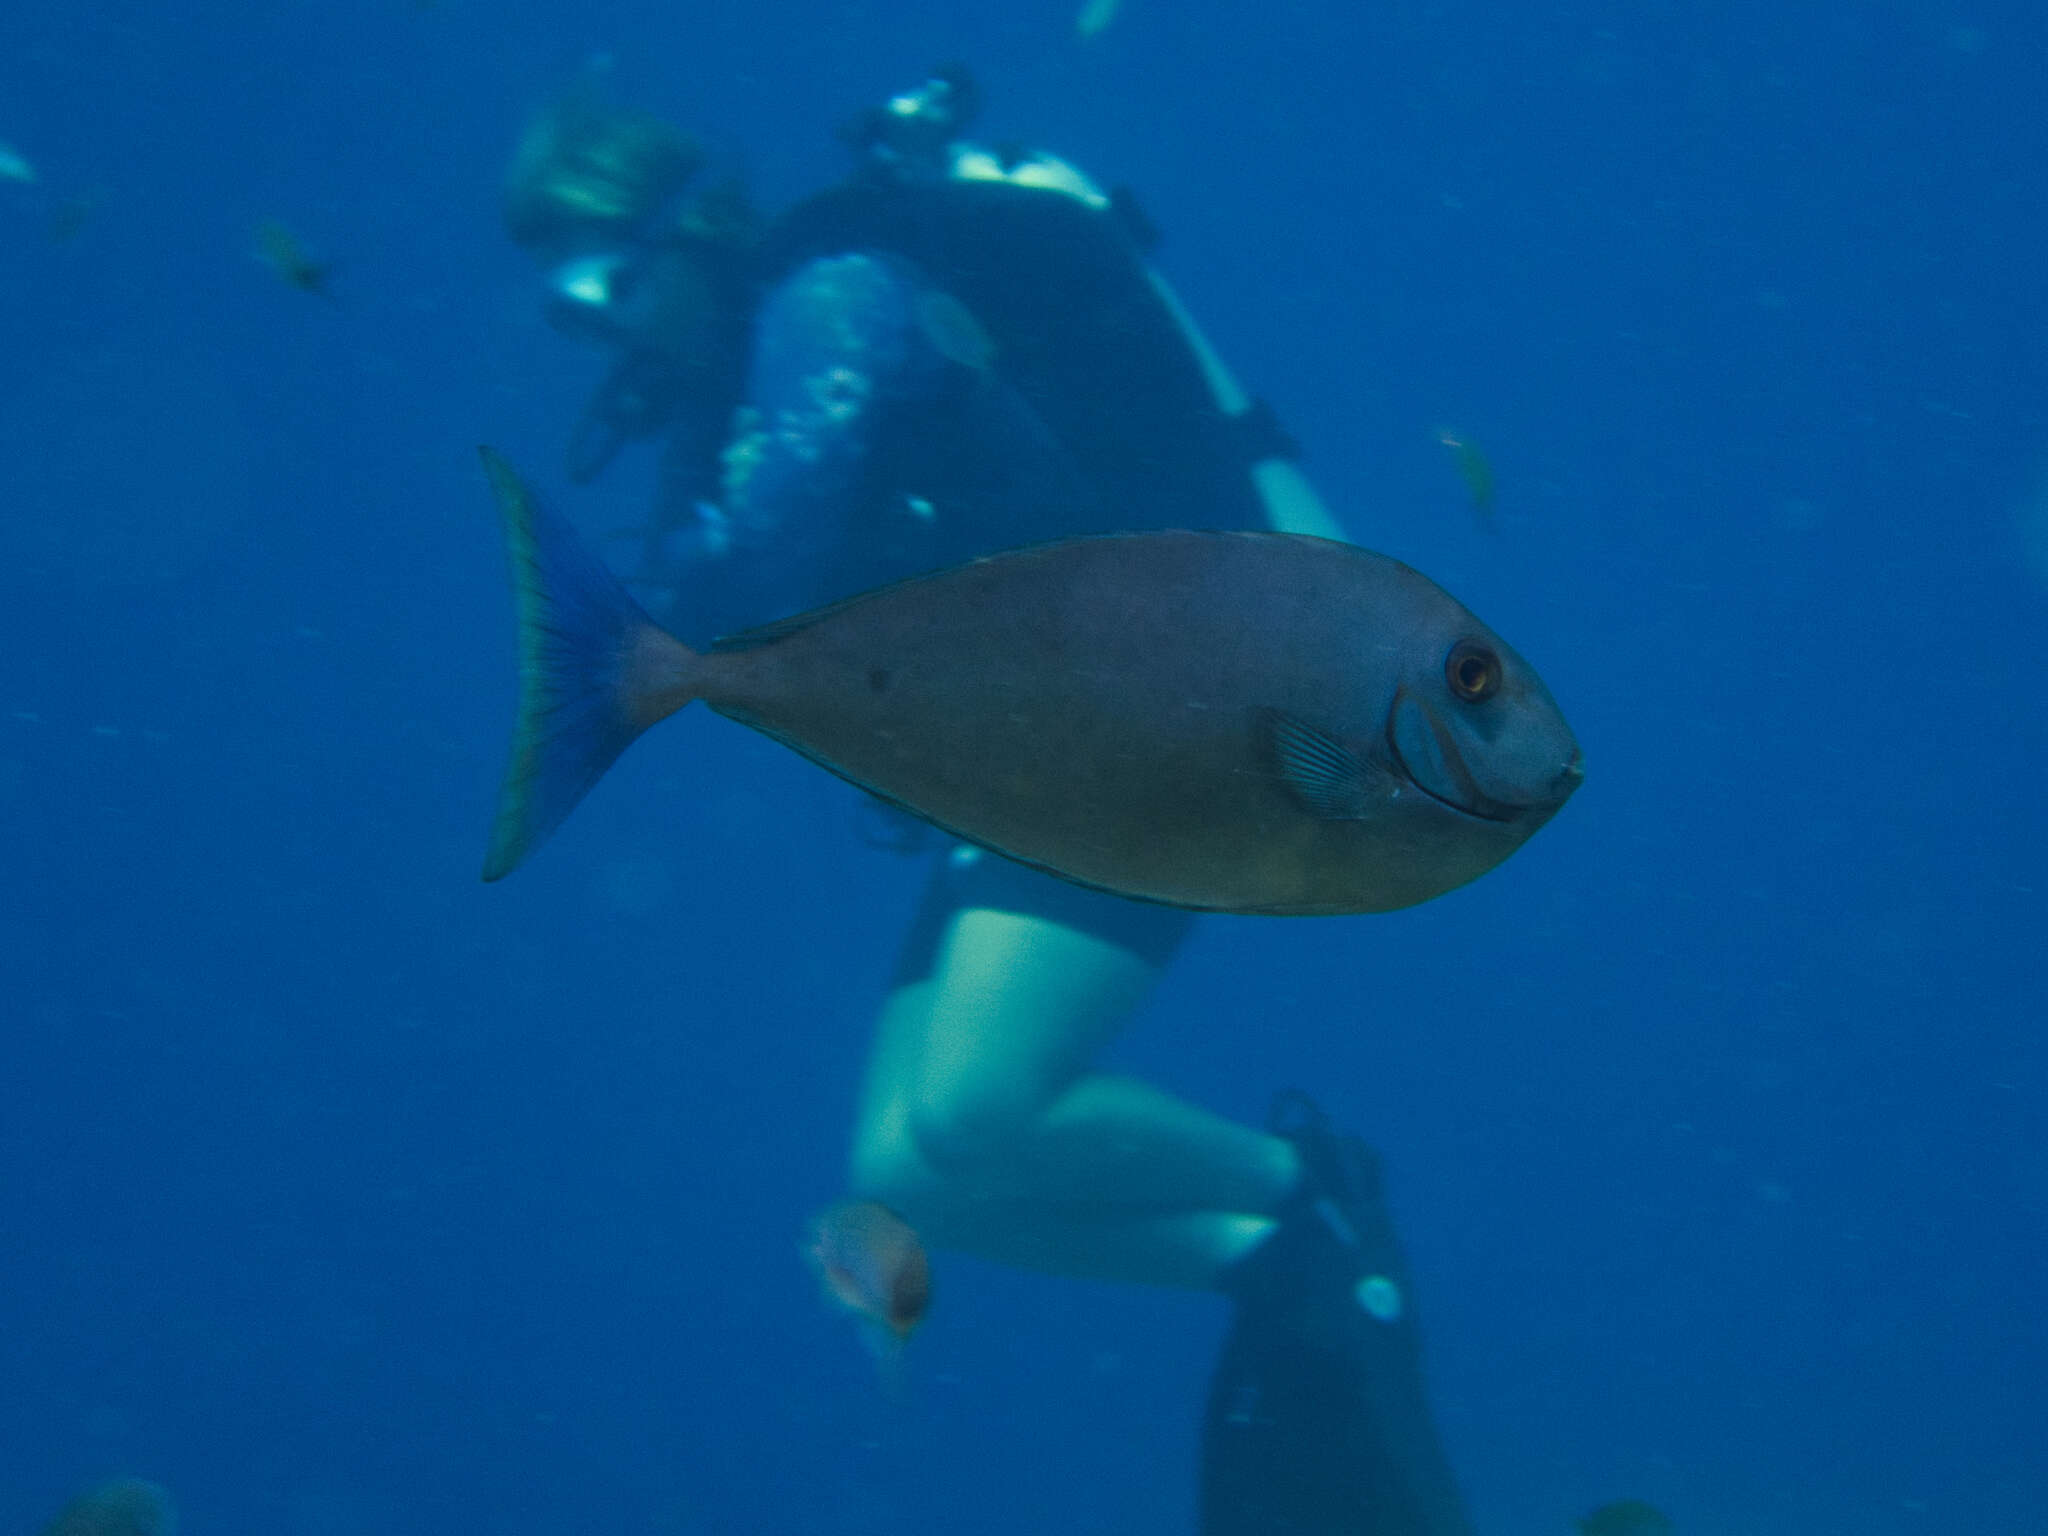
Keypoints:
pixel 1235 722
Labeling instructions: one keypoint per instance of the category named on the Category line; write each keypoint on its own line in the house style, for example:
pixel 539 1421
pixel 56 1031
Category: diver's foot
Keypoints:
pixel 1317 1423
pixel 1333 1244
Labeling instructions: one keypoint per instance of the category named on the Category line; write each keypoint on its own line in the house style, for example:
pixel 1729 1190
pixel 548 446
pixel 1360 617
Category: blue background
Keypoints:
pixel 344 1194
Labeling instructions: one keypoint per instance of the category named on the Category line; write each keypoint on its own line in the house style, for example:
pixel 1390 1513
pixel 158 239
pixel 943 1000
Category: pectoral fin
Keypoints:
pixel 1325 777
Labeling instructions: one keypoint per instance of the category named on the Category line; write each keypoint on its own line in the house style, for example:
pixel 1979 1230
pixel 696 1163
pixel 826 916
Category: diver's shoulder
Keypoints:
pixel 985 196
pixel 1022 170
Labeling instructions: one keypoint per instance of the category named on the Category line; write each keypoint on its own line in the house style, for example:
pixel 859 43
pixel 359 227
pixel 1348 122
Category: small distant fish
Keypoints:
pixel 1095 15
pixel 1627 1517
pixel 872 1263
pixel 127 1506
pixel 14 165
pixel 71 215
pixel 1473 468
pixel 280 250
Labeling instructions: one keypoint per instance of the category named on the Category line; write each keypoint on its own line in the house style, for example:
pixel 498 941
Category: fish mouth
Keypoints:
pixel 1454 787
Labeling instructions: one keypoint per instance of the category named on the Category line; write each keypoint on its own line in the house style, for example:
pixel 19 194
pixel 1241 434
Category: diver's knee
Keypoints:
pixel 963 1136
pixel 895 1171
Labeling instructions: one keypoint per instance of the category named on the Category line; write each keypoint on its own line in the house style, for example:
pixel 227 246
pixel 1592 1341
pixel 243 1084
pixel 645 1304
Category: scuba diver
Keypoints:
pixel 956 350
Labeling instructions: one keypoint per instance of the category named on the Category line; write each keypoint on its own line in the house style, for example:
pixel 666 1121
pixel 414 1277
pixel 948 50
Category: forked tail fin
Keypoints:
pixel 594 672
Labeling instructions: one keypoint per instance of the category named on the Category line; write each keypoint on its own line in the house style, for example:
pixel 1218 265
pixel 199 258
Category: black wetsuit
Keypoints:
pixel 1080 333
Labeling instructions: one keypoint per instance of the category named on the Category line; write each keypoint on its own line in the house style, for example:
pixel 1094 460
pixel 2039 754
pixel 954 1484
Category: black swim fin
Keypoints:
pixel 1317 1422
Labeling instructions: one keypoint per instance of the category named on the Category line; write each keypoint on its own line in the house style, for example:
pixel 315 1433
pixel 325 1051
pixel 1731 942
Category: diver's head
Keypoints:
pixel 589 176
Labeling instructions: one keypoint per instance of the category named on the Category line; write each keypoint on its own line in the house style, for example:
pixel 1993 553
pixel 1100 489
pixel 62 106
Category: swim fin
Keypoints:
pixel 1318 1423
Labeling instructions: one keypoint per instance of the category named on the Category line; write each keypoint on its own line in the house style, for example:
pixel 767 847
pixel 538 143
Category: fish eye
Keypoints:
pixel 1472 671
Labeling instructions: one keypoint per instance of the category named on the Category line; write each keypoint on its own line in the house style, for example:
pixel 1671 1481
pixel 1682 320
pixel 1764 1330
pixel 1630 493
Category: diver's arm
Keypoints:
pixel 1292 505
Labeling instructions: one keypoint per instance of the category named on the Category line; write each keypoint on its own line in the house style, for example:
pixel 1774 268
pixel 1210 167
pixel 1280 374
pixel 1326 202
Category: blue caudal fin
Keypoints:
pixel 594 672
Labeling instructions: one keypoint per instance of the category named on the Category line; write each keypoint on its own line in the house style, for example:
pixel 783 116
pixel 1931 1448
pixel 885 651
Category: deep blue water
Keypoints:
pixel 341 1193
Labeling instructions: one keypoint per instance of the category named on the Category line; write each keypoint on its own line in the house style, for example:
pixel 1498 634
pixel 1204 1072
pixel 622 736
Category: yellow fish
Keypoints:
pixel 1473 468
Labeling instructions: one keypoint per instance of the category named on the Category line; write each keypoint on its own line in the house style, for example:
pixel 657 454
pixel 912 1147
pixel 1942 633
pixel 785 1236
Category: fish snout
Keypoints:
pixel 1569 778
pixel 1512 775
pixel 1540 787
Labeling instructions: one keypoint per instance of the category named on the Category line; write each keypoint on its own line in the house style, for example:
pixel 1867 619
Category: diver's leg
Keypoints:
pixel 1124 1145
pixel 956 1209
pixel 1003 1094
pixel 981 1121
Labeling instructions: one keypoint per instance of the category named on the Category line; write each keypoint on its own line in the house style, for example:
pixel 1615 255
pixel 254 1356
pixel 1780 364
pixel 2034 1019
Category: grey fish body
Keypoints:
pixel 1239 722
pixel 1100 708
